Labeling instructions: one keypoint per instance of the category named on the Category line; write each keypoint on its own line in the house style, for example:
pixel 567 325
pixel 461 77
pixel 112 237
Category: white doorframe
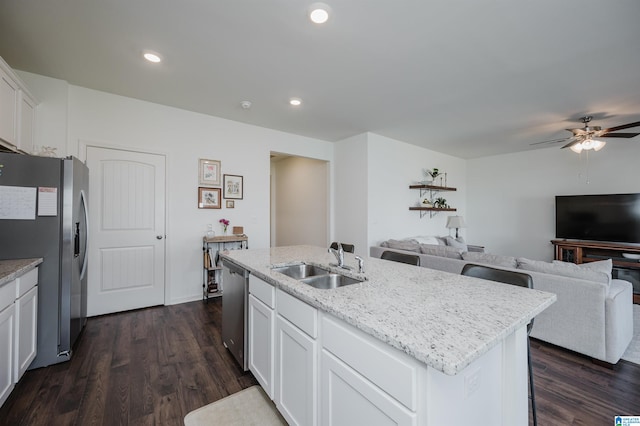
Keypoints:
pixel 83 144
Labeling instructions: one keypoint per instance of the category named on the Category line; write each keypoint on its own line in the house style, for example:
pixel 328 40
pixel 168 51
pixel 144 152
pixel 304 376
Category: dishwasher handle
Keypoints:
pixel 235 269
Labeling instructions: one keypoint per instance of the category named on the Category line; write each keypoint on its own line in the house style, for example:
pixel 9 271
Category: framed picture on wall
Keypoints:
pixel 209 198
pixel 209 172
pixel 232 187
pixel 230 204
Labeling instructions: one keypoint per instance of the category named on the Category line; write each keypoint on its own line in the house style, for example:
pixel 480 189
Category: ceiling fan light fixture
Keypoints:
pixel 577 148
pixel 598 145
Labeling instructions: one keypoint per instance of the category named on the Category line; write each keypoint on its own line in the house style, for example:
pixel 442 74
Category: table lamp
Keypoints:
pixel 456 222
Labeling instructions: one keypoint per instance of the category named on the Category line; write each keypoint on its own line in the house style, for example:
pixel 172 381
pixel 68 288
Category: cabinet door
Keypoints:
pixel 26 118
pixel 261 343
pixel 7 339
pixel 8 108
pixel 347 398
pixel 26 331
pixel 296 380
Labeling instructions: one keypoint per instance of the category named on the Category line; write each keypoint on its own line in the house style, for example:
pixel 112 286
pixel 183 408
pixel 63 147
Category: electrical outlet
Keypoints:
pixel 471 383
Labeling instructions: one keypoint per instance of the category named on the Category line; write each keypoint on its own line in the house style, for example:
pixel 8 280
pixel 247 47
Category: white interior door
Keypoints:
pixel 127 230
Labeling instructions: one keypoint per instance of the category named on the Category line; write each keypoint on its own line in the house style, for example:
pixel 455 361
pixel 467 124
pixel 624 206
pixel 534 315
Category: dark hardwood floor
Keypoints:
pixel 152 366
pixel 145 367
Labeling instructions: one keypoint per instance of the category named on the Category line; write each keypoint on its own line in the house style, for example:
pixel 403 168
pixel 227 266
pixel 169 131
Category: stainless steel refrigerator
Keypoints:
pixel 43 213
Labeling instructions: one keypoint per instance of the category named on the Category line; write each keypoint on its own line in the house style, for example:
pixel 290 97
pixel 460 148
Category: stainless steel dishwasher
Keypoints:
pixel 234 311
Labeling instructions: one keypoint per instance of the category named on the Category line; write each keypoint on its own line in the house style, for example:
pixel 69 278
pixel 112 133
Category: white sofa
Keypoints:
pixel 591 316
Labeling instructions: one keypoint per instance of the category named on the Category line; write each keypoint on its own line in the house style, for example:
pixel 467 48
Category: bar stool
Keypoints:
pixel 514 278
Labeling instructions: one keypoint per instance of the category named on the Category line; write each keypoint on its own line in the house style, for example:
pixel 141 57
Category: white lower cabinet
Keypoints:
pixel 347 398
pixel 297 374
pixel 7 333
pixel 261 343
pixel 296 360
pixel 18 329
pixel 26 331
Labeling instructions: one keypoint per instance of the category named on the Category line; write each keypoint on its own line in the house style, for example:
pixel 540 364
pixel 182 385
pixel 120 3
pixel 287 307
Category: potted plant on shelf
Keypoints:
pixel 430 175
pixel 440 203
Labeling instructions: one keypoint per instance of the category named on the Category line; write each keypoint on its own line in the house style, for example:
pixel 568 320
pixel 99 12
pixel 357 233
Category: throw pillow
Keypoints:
pixel 564 269
pixel 605 266
pixel 408 245
pixel 456 243
pixel 442 251
pixel 442 241
pixel 425 240
pixel 491 259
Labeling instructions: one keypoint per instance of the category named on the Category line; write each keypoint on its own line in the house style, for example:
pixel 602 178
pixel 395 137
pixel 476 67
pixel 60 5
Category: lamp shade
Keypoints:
pixel 456 222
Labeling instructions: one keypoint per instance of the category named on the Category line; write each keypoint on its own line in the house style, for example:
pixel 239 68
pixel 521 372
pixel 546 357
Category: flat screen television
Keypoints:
pixel 608 217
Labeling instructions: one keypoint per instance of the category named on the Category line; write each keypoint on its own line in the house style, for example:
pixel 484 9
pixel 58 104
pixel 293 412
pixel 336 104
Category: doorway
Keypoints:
pixel 299 201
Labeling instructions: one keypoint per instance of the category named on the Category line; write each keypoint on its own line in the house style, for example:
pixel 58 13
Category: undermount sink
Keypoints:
pixel 329 281
pixel 300 271
pixel 316 276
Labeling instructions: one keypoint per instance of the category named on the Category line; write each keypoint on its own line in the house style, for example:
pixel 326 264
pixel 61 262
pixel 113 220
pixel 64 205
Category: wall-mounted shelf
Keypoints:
pixel 432 190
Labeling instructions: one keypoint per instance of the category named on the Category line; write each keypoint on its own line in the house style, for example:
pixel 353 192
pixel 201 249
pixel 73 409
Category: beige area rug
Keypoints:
pixel 245 408
pixel 632 353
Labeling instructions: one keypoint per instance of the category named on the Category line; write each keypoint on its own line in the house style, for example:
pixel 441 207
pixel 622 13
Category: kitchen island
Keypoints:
pixel 409 345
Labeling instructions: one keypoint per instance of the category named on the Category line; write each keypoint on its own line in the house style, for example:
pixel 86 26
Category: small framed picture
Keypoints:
pixel 232 187
pixel 209 198
pixel 209 172
pixel 230 204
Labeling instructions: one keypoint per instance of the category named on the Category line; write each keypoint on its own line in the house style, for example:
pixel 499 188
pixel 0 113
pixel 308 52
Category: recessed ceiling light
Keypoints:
pixel 152 57
pixel 295 101
pixel 319 13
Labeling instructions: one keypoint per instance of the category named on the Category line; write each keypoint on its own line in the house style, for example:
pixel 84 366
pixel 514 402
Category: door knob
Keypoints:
pixel 159 237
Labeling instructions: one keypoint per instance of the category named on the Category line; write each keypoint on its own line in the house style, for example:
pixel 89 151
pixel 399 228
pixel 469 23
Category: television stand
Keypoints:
pixel 577 251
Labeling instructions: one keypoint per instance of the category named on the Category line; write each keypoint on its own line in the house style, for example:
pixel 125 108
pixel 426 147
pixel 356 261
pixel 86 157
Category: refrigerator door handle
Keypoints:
pixel 85 210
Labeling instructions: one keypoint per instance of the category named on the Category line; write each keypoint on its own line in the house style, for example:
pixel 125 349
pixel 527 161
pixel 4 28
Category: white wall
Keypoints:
pixel 301 201
pixel 393 166
pixel 184 137
pixel 511 200
pixel 351 193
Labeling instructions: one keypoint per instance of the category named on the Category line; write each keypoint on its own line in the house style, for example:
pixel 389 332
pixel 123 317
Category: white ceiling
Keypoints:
pixel 468 78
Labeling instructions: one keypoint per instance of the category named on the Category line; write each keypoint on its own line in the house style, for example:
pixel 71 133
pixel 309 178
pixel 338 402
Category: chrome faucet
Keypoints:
pixel 339 254
pixel 360 264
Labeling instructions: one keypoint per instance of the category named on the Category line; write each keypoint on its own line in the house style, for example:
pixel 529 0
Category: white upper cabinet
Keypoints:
pixel 27 120
pixel 17 111
pixel 8 108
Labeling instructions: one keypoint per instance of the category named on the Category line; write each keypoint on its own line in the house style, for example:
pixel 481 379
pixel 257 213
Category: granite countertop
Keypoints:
pixel 11 269
pixel 441 319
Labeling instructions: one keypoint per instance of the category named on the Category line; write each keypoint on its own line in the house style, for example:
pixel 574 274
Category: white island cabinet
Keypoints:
pixel 261 331
pixel 296 360
pixel 408 346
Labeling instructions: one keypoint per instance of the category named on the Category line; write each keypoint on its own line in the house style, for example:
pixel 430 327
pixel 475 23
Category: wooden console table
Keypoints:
pixel 591 251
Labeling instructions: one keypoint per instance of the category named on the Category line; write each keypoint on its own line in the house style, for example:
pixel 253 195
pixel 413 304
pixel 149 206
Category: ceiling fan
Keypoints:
pixel 584 138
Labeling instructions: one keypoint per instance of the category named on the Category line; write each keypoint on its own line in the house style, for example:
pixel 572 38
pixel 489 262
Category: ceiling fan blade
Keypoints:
pixel 619 135
pixel 550 141
pixel 622 127
pixel 572 143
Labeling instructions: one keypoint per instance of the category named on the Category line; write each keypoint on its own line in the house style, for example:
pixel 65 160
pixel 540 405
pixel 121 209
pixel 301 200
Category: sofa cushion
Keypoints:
pixel 491 259
pixel 408 245
pixel 564 269
pixel 442 251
